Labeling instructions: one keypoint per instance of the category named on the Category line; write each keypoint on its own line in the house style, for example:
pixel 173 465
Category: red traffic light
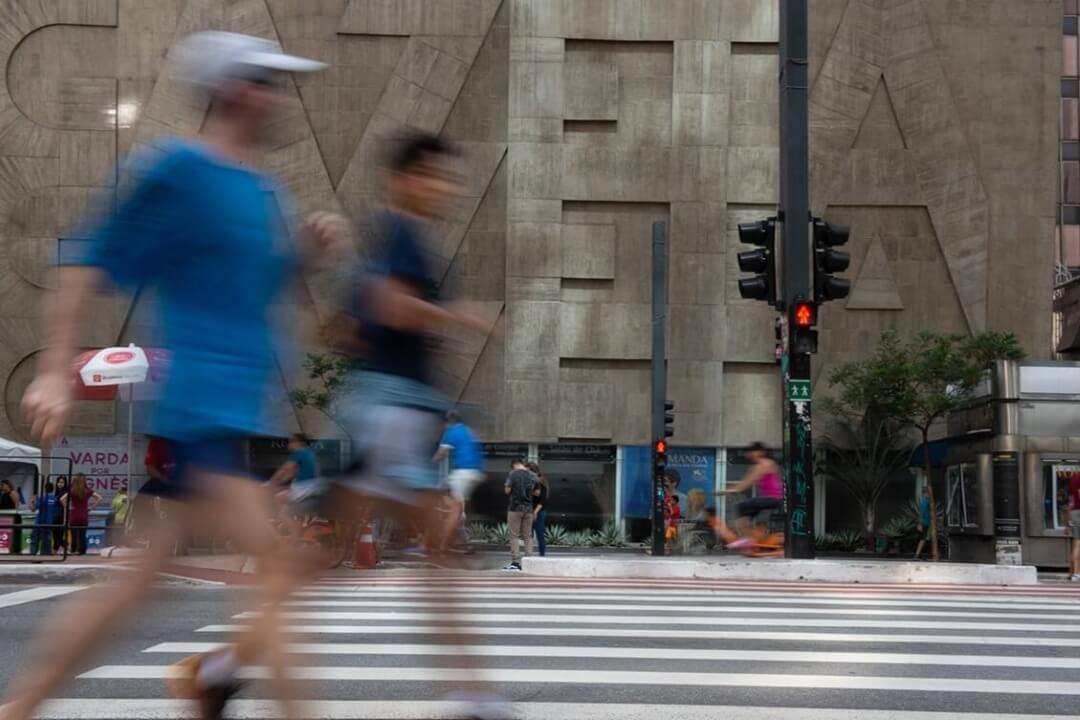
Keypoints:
pixel 805 314
pixel 660 446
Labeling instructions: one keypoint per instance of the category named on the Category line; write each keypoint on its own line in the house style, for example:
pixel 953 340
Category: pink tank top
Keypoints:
pixel 770 486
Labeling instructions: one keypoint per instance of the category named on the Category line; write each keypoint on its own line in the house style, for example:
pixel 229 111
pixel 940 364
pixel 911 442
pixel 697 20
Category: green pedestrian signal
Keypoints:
pixel 799 390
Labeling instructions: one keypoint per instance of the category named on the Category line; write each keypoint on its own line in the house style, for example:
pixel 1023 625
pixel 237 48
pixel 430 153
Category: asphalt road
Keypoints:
pixel 604 649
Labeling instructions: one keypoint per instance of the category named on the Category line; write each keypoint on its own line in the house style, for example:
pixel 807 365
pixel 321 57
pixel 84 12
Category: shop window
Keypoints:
pixel 1070 119
pixel 962 503
pixel 581 484
pixel 1056 477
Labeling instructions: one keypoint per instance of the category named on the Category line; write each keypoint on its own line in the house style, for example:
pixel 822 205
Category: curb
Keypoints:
pixel 784 570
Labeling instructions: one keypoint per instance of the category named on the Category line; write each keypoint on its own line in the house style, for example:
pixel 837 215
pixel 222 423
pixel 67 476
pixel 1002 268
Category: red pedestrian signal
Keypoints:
pixel 805 315
pixel 661 446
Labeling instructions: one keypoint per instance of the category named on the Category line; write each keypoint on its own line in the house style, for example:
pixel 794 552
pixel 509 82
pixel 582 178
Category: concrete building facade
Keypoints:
pixel 934 132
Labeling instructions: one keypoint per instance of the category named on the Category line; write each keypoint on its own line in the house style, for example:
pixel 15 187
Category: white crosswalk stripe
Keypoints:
pixel 381 648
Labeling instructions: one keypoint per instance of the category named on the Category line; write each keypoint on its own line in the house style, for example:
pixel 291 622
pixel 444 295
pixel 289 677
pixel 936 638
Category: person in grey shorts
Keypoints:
pixel 520 484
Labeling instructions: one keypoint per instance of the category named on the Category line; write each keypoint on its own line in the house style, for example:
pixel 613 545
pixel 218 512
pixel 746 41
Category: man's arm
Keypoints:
pixel 441 454
pixel 47 401
pixel 399 306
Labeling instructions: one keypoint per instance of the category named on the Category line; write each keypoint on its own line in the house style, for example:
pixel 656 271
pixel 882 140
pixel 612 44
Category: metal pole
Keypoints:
pixel 795 258
pixel 659 375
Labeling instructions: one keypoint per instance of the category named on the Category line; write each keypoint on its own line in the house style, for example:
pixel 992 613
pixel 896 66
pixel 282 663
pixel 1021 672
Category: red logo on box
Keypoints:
pixel 97 378
pixel 122 356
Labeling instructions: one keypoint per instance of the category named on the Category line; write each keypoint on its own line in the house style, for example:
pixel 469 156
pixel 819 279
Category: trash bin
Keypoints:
pixel 10 532
pixel 29 522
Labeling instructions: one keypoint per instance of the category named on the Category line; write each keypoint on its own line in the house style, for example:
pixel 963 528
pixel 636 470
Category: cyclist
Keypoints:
pixel 765 476
pixel 301 466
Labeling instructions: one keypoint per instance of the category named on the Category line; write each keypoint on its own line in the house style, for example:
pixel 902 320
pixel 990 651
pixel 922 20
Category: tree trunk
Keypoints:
pixel 869 512
pixel 934 554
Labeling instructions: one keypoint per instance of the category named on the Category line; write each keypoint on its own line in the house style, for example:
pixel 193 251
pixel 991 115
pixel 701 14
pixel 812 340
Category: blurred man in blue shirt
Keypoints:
pixel 466 456
pixel 208 231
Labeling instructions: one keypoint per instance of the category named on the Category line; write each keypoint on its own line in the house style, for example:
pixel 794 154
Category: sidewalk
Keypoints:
pixel 229 569
pixel 823 570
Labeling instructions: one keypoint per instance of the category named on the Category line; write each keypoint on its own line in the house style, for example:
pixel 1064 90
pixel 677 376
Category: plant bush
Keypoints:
pixel 579 538
pixel 842 541
pixel 498 534
pixel 478 531
pixel 555 535
pixel 611 535
pixel 899 528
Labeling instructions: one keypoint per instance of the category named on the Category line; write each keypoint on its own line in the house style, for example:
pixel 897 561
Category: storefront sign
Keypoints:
pixel 594 453
pixel 6 535
pixel 506 450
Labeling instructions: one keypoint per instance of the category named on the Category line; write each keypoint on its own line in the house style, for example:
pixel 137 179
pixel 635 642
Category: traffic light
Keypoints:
pixel 761 262
pixel 669 419
pixel 804 337
pixel 660 448
pixel 828 261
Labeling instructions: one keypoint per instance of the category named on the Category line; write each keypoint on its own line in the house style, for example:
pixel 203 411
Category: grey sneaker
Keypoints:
pixel 513 567
pixel 1074 578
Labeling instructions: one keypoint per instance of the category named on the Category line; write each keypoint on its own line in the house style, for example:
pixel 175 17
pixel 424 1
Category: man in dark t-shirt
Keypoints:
pixel 391 412
pixel 520 485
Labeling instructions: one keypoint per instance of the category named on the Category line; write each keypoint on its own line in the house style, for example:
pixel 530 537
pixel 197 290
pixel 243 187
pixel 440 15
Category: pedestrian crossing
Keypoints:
pixel 395 645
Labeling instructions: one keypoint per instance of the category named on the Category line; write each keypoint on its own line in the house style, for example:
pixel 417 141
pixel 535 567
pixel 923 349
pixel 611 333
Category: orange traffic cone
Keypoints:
pixel 367 555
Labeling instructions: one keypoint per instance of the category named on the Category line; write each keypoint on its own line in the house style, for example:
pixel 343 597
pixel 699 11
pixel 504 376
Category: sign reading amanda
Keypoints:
pixel 696 471
pixel 103 459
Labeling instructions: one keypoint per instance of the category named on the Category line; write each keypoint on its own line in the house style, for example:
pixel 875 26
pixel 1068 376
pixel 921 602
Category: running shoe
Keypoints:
pixel 513 567
pixel 1074 578
pixel 184 684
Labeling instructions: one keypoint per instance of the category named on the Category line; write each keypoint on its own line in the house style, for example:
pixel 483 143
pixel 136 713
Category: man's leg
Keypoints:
pixel 244 506
pixel 513 519
pixel 77 626
pixel 539 527
pixel 526 530
pixel 1076 552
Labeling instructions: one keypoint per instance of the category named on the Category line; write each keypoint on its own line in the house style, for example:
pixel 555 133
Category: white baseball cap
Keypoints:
pixel 213 58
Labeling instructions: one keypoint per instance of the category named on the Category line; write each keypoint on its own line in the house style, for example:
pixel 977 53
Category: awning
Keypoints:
pixel 11 451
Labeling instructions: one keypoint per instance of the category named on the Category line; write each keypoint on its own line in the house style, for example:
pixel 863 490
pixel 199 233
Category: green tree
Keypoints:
pixel 918 382
pixel 864 455
pixel 326 373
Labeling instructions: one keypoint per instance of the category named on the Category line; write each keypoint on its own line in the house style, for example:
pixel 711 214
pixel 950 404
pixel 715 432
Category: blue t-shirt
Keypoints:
pixel 211 236
pixel 401 256
pixel 307 467
pixel 466 453
pixel 48 509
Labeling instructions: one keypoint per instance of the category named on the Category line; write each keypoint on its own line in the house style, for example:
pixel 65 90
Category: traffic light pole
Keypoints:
pixel 659 378
pixel 796 271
